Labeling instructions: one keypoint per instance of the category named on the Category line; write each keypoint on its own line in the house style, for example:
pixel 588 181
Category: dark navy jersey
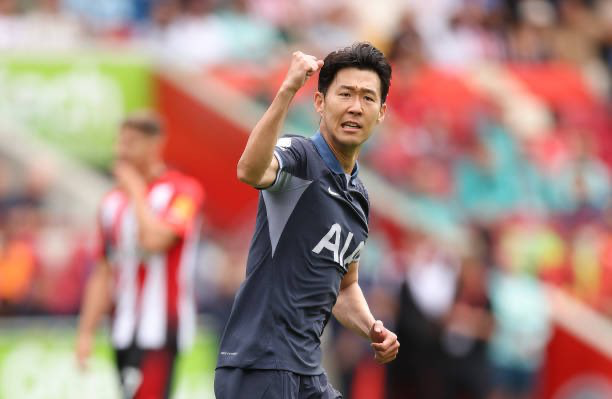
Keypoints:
pixel 312 223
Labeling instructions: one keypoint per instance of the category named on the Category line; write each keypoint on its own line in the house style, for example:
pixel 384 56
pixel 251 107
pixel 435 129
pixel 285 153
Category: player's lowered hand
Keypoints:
pixel 384 343
pixel 301 68
pixel 83 349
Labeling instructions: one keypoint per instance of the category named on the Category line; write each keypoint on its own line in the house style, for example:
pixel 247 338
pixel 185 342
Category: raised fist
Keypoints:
pixel 301 68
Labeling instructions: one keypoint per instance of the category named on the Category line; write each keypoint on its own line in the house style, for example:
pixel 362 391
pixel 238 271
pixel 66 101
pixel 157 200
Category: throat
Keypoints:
pixel 346 155
pixel 346 158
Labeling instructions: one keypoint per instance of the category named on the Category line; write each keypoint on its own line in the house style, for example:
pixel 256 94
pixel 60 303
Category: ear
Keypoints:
pixel 319 102
pixel 381 113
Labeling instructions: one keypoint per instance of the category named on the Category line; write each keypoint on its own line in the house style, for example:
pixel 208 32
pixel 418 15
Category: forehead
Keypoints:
pixel 358 78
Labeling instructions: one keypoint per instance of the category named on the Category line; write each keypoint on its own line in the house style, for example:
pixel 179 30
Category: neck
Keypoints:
pixel 346 155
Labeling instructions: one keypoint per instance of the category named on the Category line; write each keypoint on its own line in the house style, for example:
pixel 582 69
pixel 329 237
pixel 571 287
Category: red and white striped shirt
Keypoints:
pixel 153 293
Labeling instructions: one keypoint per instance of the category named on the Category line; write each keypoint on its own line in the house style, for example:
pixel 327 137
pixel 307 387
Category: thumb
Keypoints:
pixel 377 332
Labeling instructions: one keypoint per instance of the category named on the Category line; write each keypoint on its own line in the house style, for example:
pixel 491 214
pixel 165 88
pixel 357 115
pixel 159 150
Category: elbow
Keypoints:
pixel 244 174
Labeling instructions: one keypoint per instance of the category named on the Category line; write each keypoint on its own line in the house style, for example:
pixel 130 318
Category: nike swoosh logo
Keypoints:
pixel 335 194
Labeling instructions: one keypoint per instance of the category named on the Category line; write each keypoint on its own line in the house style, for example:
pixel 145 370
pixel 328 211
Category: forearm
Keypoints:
pixel 352 310
pixel 96 299
pixel 259 150
pixel 153 234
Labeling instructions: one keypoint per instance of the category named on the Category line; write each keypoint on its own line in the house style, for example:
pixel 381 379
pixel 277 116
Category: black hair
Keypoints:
pixel 361 55
pixel 146 122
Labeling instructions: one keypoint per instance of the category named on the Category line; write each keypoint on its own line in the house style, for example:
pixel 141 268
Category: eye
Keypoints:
pixel 345 94
pixel 371 99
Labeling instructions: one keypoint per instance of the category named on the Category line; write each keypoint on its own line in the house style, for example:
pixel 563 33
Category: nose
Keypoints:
pixel 355 108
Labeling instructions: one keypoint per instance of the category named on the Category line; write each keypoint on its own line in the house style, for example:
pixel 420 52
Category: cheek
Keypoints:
pixel 335 113
pixel 329 116
pixel 121 150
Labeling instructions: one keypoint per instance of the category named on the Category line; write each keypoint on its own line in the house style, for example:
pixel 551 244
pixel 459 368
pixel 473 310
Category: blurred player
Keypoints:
pixel 149 227
pixel 312 224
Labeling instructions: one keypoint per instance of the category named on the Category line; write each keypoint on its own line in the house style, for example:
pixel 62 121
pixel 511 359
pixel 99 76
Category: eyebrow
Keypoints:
pixel 355 88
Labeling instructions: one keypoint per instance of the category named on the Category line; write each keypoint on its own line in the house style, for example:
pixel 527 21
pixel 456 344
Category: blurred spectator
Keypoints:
pixel 467 330
pixel 583 180
pixel 51 27
pixel 225 260
pixel 468 41
pixel 252 37
pixel 287 16
pixel 104 19
pixel 604 299
pixel 331 27
pixel 531 40
pixel 603 10
pixel 432 20
pixel 526 244
pixel 22 219
pixel 406 48
pixel 522 330
pixel 196 37
pixel 482 183
pixel 17 268
pixel 46 26
pixel 160 15
pixel 577 41
pixel 426 296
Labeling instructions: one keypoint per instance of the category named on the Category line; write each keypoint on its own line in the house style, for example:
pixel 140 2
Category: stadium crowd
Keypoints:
pixel 524 175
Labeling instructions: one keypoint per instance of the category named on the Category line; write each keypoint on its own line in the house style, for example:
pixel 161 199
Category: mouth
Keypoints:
pixel 350 125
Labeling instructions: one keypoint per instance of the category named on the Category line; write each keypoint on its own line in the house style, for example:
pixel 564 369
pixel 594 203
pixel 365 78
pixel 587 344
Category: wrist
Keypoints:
pixel 287 91
pixel 370 328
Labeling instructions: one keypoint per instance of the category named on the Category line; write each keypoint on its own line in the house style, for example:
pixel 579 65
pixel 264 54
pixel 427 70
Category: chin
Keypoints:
pixel 351 139
pixel 352 142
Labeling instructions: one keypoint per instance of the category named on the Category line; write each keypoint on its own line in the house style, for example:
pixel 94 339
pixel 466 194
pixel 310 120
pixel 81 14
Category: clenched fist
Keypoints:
pixel 384 343
pixel 301 68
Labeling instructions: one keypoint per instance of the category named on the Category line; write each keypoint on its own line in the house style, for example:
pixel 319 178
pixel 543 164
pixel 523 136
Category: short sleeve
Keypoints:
pixel 291 156
pixel 184 208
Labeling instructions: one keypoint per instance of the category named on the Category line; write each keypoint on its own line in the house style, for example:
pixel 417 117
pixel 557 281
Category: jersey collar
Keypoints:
pixel 329 158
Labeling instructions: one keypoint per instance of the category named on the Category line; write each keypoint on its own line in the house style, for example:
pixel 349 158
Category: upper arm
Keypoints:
pixel 351 276
pixel 290 159
pixel 270 174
